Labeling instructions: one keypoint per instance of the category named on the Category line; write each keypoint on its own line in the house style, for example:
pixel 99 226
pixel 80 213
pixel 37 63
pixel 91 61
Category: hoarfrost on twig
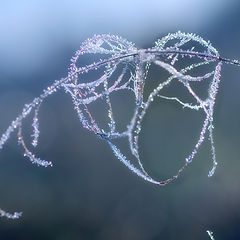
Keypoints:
pixel 129 66
pixel 210 234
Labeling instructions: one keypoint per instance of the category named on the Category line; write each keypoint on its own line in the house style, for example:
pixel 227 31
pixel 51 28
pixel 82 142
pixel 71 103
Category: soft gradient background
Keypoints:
pixel 89 194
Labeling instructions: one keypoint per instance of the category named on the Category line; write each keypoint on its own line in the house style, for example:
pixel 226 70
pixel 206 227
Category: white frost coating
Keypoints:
pixel 181 76
pixel 128 164
pixel 210 234
pixel 125 68
pixel 14 215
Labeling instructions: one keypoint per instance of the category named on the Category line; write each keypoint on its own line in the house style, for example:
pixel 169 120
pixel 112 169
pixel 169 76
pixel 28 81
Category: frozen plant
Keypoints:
pixel 123 67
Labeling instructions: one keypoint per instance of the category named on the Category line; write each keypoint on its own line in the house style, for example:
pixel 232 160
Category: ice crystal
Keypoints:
pixel 121 60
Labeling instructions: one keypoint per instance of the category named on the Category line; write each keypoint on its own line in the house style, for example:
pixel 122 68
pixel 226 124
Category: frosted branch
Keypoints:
pixel 123 67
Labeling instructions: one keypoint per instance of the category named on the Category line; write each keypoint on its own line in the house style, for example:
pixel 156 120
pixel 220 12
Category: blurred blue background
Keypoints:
pixel 88 193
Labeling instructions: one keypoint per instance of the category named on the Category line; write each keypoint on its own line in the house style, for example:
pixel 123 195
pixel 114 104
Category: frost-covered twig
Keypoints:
pixel 210 234
pixel 14 215
pixel 125 68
